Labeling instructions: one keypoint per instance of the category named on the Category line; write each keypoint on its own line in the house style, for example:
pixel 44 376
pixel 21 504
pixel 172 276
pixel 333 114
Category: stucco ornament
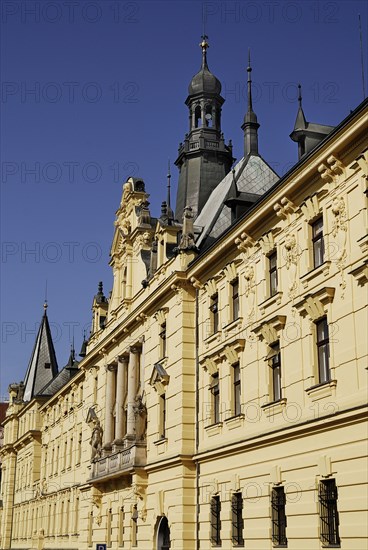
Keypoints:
pixel 250 292
pixel 339 232
pixel 291 257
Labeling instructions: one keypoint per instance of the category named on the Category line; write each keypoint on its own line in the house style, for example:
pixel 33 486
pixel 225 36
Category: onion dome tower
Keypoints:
pixel 203 159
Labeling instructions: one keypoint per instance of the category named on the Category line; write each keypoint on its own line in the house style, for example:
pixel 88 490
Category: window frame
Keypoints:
pixel 163 415
pixel 328 513
pixel 318 244
pixel 278 516
pixel 214 309
pixel 235 302
pixel 276 374
pixel 272 274
pixel 163 340
pixel 236 389
pixel 215 398
pixel 323 352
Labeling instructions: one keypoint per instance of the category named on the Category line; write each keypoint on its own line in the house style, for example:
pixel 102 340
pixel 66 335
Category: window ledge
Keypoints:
pixel 236 323
pixel 272 300
pixel 213 429
pixel 320 391
pixel 315 272
pixel 275 407
pixel 235 421
pixel 213 338
pixel 160 441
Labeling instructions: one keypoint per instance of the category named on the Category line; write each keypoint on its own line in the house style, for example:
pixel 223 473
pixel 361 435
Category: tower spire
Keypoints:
pixel 170 213
pixel 250 125
pixel 204 45
pixel 249 71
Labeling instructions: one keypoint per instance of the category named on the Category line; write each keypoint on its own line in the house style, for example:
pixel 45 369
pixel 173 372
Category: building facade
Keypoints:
pixel 220 400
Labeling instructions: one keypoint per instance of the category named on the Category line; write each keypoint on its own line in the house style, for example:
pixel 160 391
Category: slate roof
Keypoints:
pixel 61 378
pixel 252 176
pixel 43 366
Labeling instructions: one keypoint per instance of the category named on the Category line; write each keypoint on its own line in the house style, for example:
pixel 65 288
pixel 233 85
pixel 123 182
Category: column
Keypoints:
pixel 132 388
pixel 110 398
pixel 120 395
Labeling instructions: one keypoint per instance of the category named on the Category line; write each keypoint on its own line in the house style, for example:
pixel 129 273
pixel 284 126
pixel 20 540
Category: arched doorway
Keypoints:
pixel 163 535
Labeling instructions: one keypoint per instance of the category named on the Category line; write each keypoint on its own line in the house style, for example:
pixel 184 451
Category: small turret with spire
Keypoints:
pixel 250 125
pixel 307 134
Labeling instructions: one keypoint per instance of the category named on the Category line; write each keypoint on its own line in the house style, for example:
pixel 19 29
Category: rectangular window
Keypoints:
pixel 323 351
pixel 278 502
pixel 235 299
pixel 272 269
pixel 276 373
pixel 214 313
pixel 163 340
pixel 162 416
pixel 215 390
pixel 215 521
pixel 237 389
pixel 329 517
pixel 237 519
pixel 318 242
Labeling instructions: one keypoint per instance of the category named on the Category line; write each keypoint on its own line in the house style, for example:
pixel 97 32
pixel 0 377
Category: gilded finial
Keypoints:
pixel 204 44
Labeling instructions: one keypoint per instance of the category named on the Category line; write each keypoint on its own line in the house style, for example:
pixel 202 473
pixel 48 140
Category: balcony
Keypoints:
pixel 118 463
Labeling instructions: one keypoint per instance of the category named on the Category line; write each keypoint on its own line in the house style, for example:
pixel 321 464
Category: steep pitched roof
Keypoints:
pixel 66 374
pixel 43 366
pixel 252 176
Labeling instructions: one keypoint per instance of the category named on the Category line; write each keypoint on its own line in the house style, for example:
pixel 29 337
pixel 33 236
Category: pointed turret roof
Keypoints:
pixel 43 366
pixel 301 121
pixel 307 134
pixel 250 125
pixel 204 81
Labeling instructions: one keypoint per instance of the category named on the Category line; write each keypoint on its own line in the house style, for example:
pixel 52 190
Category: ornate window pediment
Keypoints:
pixel 159 378
pixel 313 304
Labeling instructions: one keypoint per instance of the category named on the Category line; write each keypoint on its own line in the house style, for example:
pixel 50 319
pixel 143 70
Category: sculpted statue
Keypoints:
pixel 140 414
pixel 96 440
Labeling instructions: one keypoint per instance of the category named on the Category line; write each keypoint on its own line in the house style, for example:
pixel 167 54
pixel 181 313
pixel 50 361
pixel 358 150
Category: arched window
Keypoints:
pixel 208 116
pixel 197 117
pixel 163 535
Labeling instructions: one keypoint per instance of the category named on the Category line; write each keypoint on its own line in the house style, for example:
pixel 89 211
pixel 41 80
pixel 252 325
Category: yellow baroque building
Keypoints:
pixel 221 397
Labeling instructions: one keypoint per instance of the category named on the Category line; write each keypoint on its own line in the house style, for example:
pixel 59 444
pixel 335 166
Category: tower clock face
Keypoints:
pixel 208 116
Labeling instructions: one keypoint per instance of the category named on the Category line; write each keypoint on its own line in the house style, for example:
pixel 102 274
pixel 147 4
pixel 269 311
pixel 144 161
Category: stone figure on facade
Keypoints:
pixel 96 440
pixel 140 415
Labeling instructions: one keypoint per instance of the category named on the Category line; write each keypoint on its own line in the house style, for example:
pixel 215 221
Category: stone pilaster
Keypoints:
pixel 110 400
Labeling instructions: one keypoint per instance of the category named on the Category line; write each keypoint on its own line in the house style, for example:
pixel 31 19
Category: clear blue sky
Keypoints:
pixel 94 91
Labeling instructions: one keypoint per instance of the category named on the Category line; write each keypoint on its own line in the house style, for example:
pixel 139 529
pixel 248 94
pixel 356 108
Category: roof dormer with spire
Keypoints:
pixel 307 134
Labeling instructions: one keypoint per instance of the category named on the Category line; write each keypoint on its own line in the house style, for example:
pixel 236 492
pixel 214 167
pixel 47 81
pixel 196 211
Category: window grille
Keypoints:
pixel 329 518
pixel 216 521
pixel 237 519
pixel 278 502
